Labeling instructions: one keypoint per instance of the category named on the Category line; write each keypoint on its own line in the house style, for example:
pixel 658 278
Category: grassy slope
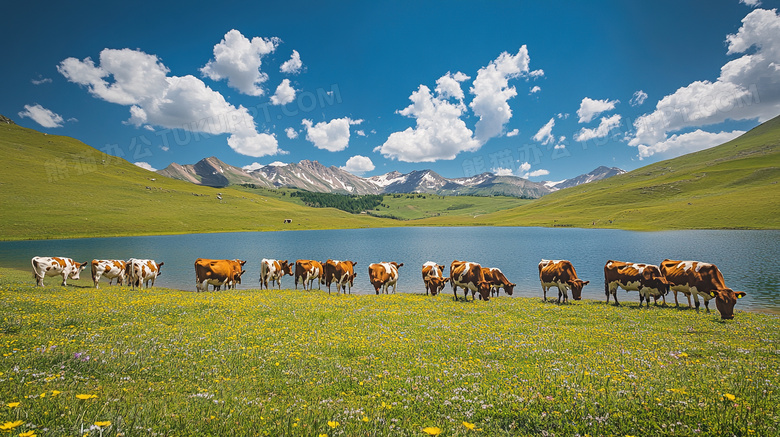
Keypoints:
pixel 112 199
pixel 734 185
pixel 412 207
pixel 248 362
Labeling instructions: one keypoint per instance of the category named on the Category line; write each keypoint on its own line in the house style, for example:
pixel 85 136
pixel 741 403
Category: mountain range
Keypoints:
pixel 313 176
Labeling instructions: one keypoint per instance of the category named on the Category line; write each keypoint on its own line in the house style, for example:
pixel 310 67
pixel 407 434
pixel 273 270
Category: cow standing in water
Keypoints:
pixel 701 279
pixel 307 271
pixel 272 270
pixel 56 266
pixel 218 272
pixel 561 274
pixel 340 272
pixel 433 277
pixel 383 275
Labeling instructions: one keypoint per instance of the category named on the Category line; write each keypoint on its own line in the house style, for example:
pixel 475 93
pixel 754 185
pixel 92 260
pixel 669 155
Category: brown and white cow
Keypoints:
pixel 307 271
pixel 140 271
pixel 701 279
pixel 645 278
pixel 497 280
pixel 53 266
pixel 218 272
pixel 340 272
pixel 469 276
pixel 272 270
pixel 109 268
pixel 433 277
pixel 383 275
pixel 561 274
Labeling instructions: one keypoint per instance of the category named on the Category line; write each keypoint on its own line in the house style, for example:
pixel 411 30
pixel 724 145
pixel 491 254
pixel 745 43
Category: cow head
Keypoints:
pixel 576 288
pixel 725 299
pixel 397 264
pixel 509 288
pixel 287 268
pixel 654 279
pixel 74 274
pixel 484 287
pixel 436 285
pixel 159 268
pixel 237 276
pixel 240 262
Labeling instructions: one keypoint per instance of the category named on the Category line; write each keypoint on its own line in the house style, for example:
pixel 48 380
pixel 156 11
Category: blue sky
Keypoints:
pixel 545 90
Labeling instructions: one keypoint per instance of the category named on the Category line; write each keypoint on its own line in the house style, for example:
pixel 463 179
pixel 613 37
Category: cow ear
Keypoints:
pixel 585 283
pixel 740 294
pixel 401 265
pixel 713 293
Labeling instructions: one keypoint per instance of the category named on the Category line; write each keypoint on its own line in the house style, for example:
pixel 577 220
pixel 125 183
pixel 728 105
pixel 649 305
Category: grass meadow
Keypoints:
pixel 160 362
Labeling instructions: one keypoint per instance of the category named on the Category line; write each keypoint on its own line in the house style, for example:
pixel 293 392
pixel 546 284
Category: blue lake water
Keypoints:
pixel 748 259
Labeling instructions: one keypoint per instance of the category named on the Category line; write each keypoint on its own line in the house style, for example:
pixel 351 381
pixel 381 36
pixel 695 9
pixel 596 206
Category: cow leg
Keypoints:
pixel 455 291
pixel 544 289
pixel 707 305
pixel 689 301
pixel 64 279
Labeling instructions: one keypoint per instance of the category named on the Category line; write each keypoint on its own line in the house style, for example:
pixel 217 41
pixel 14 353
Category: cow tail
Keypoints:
pixel 93 266
pixel 35 268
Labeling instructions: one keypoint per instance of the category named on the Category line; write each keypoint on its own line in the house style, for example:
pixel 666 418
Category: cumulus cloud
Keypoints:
pixel 332 135
pixel 448 86
pixel 535 90
pixel 253 166
pixel 145 165
pixel 638 98
pixel 238 59
pixel 141 81
pixel 590 108
pixel 513 133
pixel 605 126
pixel 40 80
pixel 439 132
pixel 563 116
pixel 524 171
pixel 291 133
pixel 293 65
pixel 361 132
pixel 501 171
pixel 492 91
pixel 748 87
pixel 44 117
pixel 677 145
pixel 751 3
pixel 545 135
pixel 284 94
pixel 358 165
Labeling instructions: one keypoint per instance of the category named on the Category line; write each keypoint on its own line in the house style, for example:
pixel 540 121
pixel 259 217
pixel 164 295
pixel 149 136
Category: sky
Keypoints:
pixel 545 90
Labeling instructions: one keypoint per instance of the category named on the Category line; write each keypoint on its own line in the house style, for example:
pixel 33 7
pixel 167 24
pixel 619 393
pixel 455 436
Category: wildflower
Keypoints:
pixel 103 424
pixel 85 397
pixel 7 426
pixel 728 397
pixel 469 426
pixel 55 393
pixel 365 419
pixel 323 435
pixel 12 404
pixel 29 433
pixel 333 423
pixel 682 355
pixel 432 430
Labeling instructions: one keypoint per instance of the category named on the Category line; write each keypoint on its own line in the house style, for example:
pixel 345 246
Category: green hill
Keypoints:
pixel 731 186
pixel 59 187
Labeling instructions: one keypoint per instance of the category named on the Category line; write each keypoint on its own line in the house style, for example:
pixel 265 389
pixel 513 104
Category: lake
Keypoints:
pixel 748 259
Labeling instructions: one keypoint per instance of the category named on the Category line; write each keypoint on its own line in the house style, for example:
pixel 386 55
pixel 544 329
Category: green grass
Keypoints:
pixel 464 208
pixel 58 187
pixel 247 362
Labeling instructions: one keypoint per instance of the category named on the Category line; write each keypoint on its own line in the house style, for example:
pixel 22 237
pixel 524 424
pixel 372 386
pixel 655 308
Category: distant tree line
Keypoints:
pixel 349 203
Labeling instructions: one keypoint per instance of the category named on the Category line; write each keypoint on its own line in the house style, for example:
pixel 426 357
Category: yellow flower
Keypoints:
pixel 333 424
pixel 365 419
pixel 432 430
pixel 7 426
pixel 13 404
pixel 85 397
pixel 683 355
pixel 55 392
pixel 103 424
pixel 323 435
pixel 30 433
pixel 728 397
pixel 470 426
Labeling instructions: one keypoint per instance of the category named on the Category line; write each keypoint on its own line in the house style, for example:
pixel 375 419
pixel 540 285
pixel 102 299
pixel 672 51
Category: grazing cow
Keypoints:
pixel 218 272
pixel 383 275
pixel 272 270
pixel 340 272
pixel 307 271
pixel 52 266
pixel 469 276
pixel 561 274
pixel 433 277
pixel 140 271
pixel 497 280
pixel 110 268
pixel 645 278
pixel 701 279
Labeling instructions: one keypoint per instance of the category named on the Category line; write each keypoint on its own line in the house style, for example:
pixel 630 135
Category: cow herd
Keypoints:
pixel 692 278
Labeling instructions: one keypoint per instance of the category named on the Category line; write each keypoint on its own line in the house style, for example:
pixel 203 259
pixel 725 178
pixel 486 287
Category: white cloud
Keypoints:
pixel 545 135
pixel 253 166
pixel 536 173
pixel 501 171
pixel 748 87
pixel 439 132
pixel 141 81
pixel 524 167
pixel 560 146
pixel 536 73
pixel 535 89
pixel 44 117
pixel 448 86
pixel 284 94
pixel 145 166
pixel 638 98
pixel 525 173
pixel 590 108
pixel 563 116
pixel 332 135
pixel 278 164
pixel 605 126
pixel 361 132
pixel 513 133
pixel 41 80
pixel 358 165
pixel 238 59
pixel 291 133
pixel 751 3
pixel 293 65
pixel 677 145
pixel 492 91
